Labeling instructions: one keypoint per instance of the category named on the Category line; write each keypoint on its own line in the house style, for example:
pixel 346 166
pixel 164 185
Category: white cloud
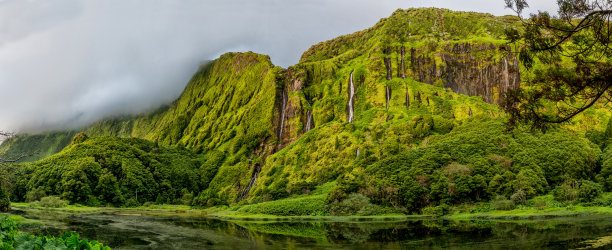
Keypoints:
pixel 70 62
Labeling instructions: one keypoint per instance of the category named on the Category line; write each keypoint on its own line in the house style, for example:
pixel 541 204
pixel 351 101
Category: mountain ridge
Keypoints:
pixel 385 94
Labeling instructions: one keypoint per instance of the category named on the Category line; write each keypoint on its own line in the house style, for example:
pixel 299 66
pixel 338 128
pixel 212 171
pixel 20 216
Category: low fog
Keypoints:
pixel 67 63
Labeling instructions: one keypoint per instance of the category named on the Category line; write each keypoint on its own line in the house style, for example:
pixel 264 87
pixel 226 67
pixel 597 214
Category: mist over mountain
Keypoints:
pixel 68 63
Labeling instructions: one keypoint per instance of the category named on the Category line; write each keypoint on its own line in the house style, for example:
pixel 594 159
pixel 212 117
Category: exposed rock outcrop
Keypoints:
pixel 470 69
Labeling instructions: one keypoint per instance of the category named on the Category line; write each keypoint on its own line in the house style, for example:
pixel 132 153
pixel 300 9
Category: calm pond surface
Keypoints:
pixel 181 232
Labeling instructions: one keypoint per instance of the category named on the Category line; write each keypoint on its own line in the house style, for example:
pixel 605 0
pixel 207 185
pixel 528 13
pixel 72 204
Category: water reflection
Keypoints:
pixel 173 232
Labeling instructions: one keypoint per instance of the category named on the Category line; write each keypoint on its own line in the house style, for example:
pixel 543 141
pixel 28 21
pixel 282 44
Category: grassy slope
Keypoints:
pixel 227 109
pixel 36 146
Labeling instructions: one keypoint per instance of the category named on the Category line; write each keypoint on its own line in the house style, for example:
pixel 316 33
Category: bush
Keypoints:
pixel 568 191
pixel 11 238
pixel 5 203
pixel 35 195
pixel 604 200
pixel 132 202
pixel 589 191
pixel 518 197
pixel 501 203
pixel 354 204
pixel 52 201
pixel 437 210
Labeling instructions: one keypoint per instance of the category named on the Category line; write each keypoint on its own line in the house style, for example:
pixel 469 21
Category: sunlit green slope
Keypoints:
pixel 404 113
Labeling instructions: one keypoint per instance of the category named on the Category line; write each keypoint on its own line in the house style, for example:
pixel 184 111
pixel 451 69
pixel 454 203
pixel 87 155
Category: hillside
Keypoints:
pixel 35 146
pixel 403 113
pixel 110 170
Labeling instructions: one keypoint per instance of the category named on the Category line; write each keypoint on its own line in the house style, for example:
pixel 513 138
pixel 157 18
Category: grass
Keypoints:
pixel 164 209
pixel 534 213
pixel 313 207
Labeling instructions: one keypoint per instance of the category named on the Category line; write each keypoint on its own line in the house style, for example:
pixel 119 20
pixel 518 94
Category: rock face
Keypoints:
pixel 483 70
pixel 293 119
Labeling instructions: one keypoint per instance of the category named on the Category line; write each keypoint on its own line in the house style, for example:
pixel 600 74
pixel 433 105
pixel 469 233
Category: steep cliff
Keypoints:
pixel 265 132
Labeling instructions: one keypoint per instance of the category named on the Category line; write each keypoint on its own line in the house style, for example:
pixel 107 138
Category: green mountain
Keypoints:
pixel 403 113
pixel 32 147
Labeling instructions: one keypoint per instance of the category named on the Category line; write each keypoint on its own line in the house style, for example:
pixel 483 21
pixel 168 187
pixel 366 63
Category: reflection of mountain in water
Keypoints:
pixel 173 232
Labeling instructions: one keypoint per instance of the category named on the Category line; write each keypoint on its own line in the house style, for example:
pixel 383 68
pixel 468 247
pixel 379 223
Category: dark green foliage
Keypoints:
pixel 568 191
pixel 605 176
pixel 437 210
pixel 110 170
pixel 479 161
pixel 583 191
pixel 52 201
pixel 10 238
pixel 501 203
pixel 575 71
pixel 354 204
pixel 5 203
pixel 589 191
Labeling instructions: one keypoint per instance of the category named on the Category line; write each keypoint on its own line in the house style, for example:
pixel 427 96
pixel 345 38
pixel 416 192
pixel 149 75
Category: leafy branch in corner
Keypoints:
pixel 568 62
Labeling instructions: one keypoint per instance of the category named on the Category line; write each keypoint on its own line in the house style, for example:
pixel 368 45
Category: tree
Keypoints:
pixel 5 203
pixel 575 69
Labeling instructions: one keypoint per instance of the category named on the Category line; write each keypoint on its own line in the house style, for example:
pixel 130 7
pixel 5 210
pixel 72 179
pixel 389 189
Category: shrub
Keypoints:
pixel 5 203
pixel 437 210
pixel 132 202
pixel 11 238
pixel 501 203
pixel 589 191
pixel 518 197
pixel 187 198
pixel 354 204
pixel 604 200
pixel 52 201
pixel 35 194
pixel 568 191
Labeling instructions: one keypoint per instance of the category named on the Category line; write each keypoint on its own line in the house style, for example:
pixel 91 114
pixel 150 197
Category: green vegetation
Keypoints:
pixel 35 146
pixel 110 171
pixel 5 203
pixel 11 238
pixel 426 137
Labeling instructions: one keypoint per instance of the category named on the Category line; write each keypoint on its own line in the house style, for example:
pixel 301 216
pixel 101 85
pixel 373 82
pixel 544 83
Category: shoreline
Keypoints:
pixel 521 214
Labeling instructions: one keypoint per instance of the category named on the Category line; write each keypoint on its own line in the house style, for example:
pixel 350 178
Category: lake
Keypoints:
pixel 137 231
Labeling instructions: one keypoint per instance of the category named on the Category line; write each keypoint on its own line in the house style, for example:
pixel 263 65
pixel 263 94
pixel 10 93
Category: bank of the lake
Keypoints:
pixel 229 213
pixel 163 227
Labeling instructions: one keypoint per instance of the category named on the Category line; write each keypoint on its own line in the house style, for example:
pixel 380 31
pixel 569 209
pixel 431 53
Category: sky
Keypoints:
pixel 68 63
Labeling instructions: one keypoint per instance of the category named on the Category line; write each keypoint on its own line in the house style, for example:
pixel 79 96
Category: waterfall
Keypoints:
pixel 282 115
pixel 308 125
pixel 251 183
pixel 357 154
pixel 351 100
pixel 506 75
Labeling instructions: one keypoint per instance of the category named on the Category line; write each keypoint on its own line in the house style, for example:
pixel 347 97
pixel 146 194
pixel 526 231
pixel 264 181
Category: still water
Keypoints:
pixel 181 232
